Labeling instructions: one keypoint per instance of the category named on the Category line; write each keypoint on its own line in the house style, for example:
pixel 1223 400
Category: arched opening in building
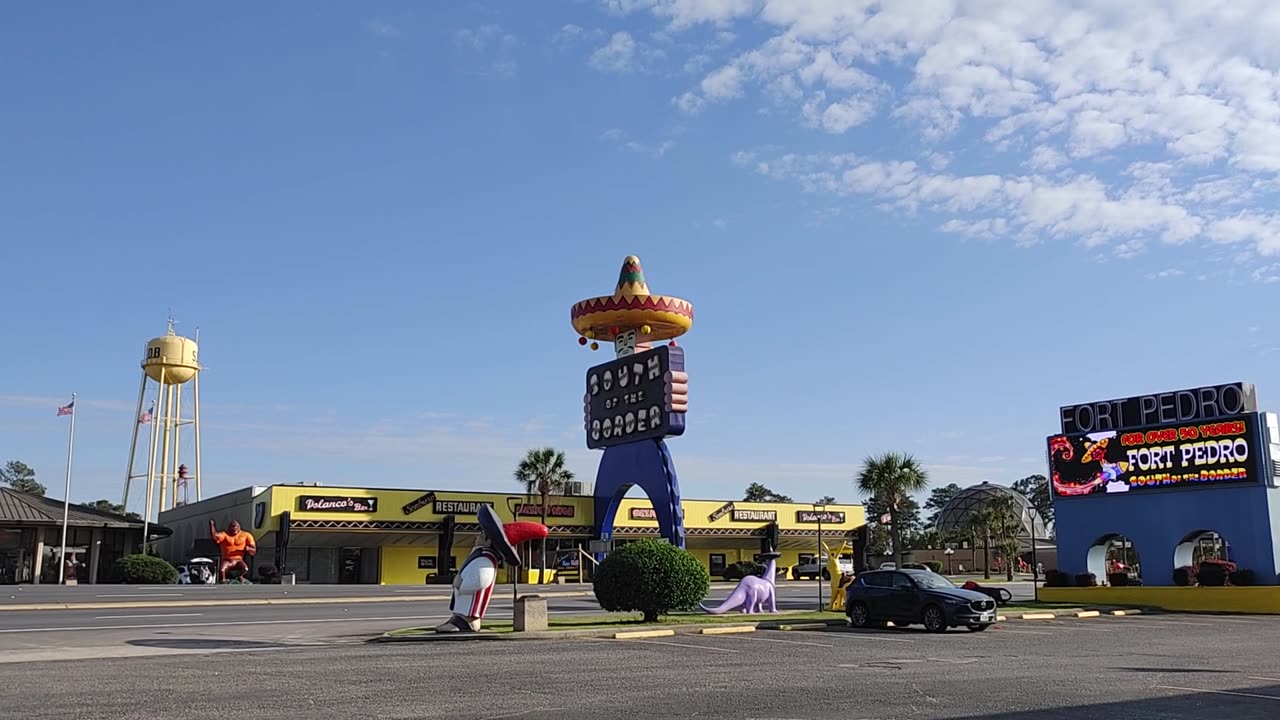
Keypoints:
pixel 1114 560
pixel 1198 546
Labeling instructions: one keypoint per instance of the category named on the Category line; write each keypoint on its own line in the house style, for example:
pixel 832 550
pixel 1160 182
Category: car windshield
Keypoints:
pixel 931 581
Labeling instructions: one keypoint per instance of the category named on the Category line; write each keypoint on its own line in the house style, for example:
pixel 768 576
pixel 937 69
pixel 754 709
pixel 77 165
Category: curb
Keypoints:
pixel 243 602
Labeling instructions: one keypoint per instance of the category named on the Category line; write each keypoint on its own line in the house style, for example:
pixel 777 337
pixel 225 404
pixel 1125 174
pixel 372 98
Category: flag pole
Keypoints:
pixel 66 495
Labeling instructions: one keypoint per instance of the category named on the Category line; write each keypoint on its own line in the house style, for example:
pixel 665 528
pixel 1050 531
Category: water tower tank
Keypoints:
pixel 173 354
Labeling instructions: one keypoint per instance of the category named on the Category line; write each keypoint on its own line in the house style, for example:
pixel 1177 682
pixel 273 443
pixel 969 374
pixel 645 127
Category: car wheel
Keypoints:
pixel 977 628
pixel 795 574
pixel 934 619
pixel 826 575
pixel 859 615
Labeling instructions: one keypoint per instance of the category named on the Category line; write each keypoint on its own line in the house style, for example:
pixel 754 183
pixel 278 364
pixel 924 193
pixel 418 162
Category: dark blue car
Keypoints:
pixel 909 597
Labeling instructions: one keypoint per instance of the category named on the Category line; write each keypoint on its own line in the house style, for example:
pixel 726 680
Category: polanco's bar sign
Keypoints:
pixel 535 510
pixel 331 503
pixel 835 517
pixel 419 503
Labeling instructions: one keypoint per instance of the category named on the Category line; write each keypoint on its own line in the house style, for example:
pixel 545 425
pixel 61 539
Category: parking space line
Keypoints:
pixel 867 635
pixel 1175 622
pixel 1221 692
pixel 1267 679
pixel 675 644
pixel 1024 632
pixel 778 640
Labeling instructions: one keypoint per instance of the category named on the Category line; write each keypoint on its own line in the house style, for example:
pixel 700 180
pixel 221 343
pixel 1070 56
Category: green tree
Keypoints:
pixel 880 542
pixel 650 577
pixel 826 500
pixel 759 493
pixel 979 525
pixel 938 499
pixel 1005 523
pixel 114 508
pixel 1036 489
pixel 893 478
pixel 21 477
pixel 543 472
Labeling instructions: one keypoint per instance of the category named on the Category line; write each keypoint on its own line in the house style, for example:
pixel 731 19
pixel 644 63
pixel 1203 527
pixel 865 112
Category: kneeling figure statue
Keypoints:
pixel 473 585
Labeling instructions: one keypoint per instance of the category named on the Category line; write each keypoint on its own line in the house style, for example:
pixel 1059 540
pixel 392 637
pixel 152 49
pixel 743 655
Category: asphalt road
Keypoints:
pixel 128 594
pixel 1141 668
pixel 45 635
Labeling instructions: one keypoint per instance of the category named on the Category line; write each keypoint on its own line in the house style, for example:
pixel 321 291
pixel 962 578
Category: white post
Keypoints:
pixel 66 494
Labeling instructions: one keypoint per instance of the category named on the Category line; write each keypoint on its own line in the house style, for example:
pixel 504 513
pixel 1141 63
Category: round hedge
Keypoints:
pixel 144 570
pixel 652 578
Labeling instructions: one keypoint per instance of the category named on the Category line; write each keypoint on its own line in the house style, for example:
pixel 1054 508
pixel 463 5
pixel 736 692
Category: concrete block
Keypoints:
pixel 530 614
pixel 728 630
pixel 635 634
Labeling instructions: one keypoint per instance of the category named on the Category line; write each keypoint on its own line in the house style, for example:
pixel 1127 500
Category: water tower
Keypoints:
pixel 169 364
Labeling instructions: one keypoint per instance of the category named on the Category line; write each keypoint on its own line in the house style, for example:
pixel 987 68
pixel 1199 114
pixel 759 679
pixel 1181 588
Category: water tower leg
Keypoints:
pixel 166 443
pixel 195 424
pixel 177 438
pixel 133 445
pixel 151 461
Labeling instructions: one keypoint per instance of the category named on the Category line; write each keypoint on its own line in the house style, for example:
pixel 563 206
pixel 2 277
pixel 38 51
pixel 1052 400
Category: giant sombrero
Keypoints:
pixel 505 537
pixel 632 307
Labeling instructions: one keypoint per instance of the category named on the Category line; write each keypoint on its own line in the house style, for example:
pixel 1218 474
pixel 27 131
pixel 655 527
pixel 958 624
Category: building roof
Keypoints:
pixel 19 508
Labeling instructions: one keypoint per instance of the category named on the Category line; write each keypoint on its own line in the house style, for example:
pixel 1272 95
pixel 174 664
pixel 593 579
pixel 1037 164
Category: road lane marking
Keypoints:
pixel 135 617
pixel 147 595
pixel 778 640
pixel 1024 632
pixel 676 644
pixel 1220 692
pixel 868 636
pixel 222 624
pixel 1264 678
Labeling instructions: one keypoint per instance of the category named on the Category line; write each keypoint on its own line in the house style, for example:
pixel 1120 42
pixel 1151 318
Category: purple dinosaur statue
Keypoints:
pixel 753 591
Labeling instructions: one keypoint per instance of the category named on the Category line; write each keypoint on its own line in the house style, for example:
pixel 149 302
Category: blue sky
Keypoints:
pixel 918 226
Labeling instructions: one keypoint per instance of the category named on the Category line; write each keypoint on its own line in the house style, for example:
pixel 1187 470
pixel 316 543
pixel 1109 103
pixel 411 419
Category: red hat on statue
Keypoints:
pixel 506 536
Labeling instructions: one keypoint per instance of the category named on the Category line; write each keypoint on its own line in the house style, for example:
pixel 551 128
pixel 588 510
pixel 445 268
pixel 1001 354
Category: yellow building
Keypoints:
pixel 392 536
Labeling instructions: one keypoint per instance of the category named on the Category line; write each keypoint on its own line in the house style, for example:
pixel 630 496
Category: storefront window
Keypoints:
pixel 718 563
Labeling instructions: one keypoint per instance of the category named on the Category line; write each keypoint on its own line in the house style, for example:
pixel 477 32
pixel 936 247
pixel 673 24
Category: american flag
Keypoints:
pixel 67 409
pixel 145 417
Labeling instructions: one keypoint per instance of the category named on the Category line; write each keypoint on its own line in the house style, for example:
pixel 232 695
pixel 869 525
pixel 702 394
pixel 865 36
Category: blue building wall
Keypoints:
pixel 1157 521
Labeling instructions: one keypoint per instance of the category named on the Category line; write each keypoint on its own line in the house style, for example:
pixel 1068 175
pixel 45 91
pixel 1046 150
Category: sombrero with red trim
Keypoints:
pixel 505 537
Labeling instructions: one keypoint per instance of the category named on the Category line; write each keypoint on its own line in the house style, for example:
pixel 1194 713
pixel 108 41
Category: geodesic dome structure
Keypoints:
pixel 955 515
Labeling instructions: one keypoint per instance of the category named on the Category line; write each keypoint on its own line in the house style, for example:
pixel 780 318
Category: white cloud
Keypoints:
pixel 623 142
pixel 379 27
pixel 494 44
pixel 624 54
pixel 1072 87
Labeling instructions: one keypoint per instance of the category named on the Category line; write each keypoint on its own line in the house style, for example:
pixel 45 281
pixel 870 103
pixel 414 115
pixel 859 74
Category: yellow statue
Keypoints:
pixel 839 580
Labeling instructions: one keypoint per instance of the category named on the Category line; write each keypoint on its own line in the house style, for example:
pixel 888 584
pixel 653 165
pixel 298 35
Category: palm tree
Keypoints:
pixel 979 523
pixel 1005 514
pixel 543 473
pixel 892 477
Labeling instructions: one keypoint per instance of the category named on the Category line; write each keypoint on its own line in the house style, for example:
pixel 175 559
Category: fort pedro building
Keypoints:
pixel 326 534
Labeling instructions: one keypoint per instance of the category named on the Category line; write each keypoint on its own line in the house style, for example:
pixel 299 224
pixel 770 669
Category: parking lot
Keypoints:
pixel 1150 666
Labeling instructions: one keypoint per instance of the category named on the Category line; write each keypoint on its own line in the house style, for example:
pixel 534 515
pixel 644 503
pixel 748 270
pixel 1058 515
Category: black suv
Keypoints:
pixel 915 596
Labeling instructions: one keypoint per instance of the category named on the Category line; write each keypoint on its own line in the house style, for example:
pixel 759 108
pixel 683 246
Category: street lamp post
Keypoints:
pixel 820 510
pixel 1035 564
pixel 948 552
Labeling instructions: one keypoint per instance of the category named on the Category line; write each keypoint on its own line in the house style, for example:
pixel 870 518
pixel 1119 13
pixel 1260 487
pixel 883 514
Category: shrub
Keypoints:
pixel 741 569
pixel 1086 580
pixel 1118 579
pixel 934 565
pixel 1185 576
pixel 1056 578
pixel 1214 574
pixel 144 570
pixel 1244 578
pixel 650 577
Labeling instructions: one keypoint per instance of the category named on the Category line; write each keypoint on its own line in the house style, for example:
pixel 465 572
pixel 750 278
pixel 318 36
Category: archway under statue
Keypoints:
pixel 646 464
